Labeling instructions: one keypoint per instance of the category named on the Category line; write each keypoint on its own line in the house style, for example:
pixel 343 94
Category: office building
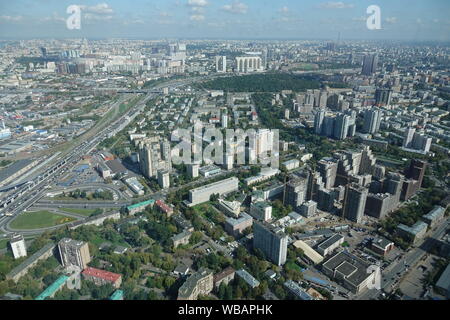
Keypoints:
pixel 74 253
pixel 18 246
pixel 355 202
pixel 200 283
pixel 272 241
pixel 370 64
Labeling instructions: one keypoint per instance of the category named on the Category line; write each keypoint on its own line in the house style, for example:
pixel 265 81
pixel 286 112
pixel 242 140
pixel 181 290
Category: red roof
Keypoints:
pixel 105 275
pixel 163 206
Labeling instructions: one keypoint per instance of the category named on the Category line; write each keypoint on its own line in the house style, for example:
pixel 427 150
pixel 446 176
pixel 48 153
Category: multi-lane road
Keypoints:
pixel 399 269
pixel 31 193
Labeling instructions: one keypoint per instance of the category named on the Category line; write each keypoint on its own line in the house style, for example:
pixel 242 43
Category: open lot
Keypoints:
pixel 82 212
pixel 39 220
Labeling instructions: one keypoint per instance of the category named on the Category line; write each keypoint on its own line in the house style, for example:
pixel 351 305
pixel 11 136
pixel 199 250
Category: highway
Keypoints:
pixel 28 195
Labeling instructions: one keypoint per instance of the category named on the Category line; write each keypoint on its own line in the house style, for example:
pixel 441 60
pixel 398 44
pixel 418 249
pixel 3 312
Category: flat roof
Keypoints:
pixel 31 259
pixel 435 214
pixel 187 287
pixel 312 254
pixel 354 268
pixel 330 241
pixel 117 295
pixel 415 229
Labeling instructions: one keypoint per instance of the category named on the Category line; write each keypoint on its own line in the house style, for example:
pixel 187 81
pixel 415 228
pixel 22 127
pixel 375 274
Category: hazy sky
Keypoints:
pixel 236 19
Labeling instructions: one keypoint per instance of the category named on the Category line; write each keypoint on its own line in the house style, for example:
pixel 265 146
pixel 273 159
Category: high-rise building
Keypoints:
pixel 164 179
pixel 370 64
pixel 372 121
pixel 74 253
pixel 153 157
pixel 272 241
pixel 264 141
pixel 18 246
pixel 409 136
pixel 221 64
pixel 383 96
pixel 249 64
pixel 193 170
pixel 295 192
pixel 318 122
pixel 224 120
pixel 328 171
pixel 355 202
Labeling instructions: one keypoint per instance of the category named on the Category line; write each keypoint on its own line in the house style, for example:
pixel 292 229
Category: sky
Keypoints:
pixel 410 20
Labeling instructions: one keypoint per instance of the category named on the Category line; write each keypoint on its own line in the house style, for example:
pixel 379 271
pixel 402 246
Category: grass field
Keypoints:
pixel 3 244
pixel 82 212
pixel 39 220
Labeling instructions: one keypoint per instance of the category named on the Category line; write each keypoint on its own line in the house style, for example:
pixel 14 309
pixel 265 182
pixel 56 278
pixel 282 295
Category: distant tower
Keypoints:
pixel 370 64
pixel 221 64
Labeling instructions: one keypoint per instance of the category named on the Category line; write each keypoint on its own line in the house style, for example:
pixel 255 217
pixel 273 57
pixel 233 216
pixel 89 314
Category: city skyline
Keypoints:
pixel 227 19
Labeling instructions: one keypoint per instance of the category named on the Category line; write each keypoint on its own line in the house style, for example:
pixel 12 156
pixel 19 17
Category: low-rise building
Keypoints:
pixel 139 207
pixel 225 277
pixel 231 208
pixel 309 252
pixel 22 269
pixel 200 283
pixel 352 272
pixel 297 291
pixel 102 277
pixel 434 216
pixel 412 234
pixel 236 227
pixel 381 246
pixel 181 239
pixel 165 208
pixel 248 278
pixel 329 245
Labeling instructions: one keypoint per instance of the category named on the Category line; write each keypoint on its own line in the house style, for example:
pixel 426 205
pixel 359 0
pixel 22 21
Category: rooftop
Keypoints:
pixel 187 287
pixel 247 277
pixel 55 286
pixel 102 274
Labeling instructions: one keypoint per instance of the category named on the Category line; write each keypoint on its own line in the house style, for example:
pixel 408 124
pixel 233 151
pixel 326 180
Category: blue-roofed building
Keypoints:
pixel 139 207
pixel 297 291
pixel 248 278
pixel 117 295
pixel 53 288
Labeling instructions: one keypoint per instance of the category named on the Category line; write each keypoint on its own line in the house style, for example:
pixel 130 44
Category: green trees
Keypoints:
pixel 273 82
